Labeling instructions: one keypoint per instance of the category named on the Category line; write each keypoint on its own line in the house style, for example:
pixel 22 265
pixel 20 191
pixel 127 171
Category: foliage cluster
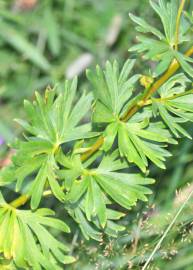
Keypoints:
pixel 99 168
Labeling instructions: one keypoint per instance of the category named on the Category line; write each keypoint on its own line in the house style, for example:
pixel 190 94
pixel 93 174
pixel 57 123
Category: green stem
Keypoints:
pixel 174 66
pixel 24 198
pixel 93 148
pixel 181 7
pixel 20 201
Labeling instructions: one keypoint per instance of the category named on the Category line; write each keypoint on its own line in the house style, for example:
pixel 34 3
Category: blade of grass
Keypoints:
pixel 157 247
pixel 17 41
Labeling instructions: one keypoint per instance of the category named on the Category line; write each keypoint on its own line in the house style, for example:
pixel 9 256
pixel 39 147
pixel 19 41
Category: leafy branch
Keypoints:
pixel 140 103
pixel 86 163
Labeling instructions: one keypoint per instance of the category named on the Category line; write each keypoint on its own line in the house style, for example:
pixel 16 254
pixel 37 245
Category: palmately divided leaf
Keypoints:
pixel 56 118
pixel 92 186
pixel 175 104
pixel 25 239
pixel 92 229
pixel 167 11
pixel 112 90
pixel 87 230
pixel 160 46
pixel 138 141
pixel 53 120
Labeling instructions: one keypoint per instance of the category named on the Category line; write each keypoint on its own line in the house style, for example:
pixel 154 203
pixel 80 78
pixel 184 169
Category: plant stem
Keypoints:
pixel 93 148
pixel 181 7
pixel 139 104
pixel 157 247
pixel 24 198
pixel 174 66
pixel 20 201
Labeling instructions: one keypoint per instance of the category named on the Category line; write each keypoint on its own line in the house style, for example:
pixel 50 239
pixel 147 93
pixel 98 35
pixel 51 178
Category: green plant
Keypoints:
pixel 90 167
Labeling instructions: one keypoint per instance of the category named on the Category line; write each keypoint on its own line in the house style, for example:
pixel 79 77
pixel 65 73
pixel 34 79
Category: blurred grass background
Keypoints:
pixel 44 42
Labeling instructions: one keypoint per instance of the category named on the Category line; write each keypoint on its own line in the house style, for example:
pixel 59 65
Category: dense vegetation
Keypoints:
pixel 95 156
